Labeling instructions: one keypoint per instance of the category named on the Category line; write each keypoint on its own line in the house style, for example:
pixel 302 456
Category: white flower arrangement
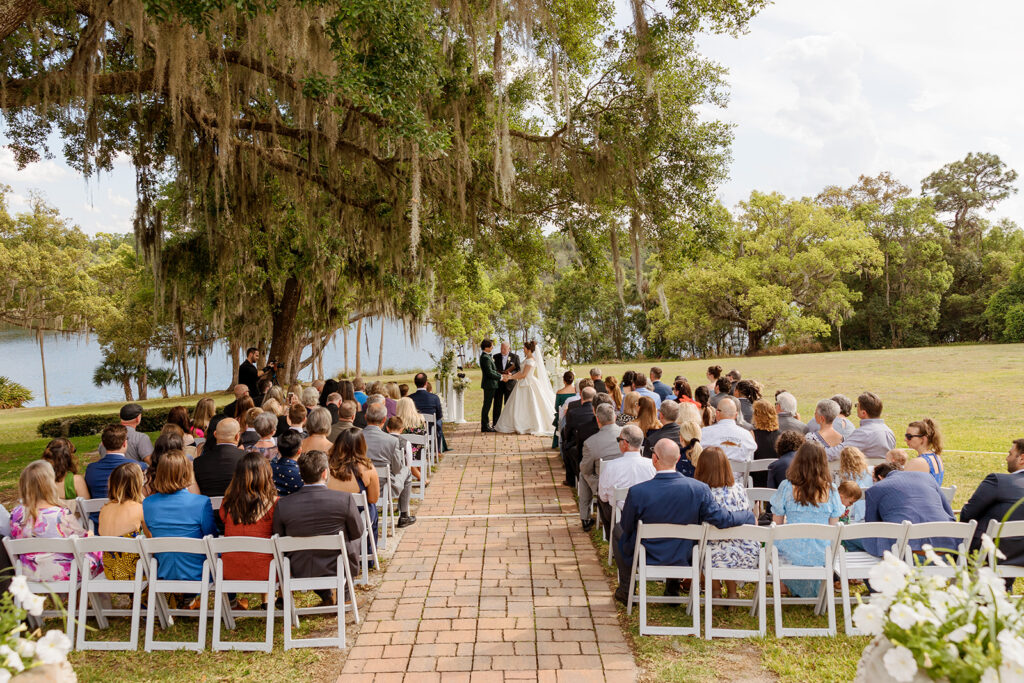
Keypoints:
pixel 963 629
pixel 20 650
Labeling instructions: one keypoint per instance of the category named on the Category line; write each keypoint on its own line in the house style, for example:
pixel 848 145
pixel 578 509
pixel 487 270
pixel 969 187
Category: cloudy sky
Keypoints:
pixel 821 93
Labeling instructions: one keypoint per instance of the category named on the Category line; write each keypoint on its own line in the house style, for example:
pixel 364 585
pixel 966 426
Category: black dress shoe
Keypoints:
pixel 405 520
pixel 588 524
pixel 622 597
pixel 487 429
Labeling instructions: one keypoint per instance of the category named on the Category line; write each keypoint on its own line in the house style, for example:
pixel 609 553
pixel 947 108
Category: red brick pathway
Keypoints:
pixel 496 581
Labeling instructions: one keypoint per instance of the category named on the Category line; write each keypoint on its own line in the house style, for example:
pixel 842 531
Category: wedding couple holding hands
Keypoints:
pixel 523 388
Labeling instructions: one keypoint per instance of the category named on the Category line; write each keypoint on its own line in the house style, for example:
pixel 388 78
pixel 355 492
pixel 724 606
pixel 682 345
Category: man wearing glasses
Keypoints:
pixel 628 469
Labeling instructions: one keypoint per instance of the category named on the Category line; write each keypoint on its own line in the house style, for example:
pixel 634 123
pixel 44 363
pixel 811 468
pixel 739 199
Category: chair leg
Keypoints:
pixel 844 590
pixel 150 607
pixel 83 610
pixel 707 597
pixel 351 587
pixel 218 611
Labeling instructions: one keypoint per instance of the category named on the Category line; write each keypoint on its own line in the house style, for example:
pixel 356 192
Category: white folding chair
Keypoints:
pixel 739 471
pixel 781 570
pixel 24 546
pixel 642 573
pixel 948 492
pixel 1002 531
pixel 960 532
pixel 756 466
pixel 431 421
pixel 618 496
pixel 422 462
pixel 762 535
pixel 595 509
pixel 149 547
pixel 341 582
pixel 757 496
pixel 385 510
pixel 102 585
pixel 857 564
pixel 216 501
pixel 367 543
pixel 222 587
pixel 86 507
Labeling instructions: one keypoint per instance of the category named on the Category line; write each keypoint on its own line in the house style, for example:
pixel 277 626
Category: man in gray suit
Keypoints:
pixel 384 449
pixel 603 445
pixel 785 408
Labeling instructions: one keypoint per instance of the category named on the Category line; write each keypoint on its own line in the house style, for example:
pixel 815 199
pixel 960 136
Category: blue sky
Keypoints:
pixel 821 93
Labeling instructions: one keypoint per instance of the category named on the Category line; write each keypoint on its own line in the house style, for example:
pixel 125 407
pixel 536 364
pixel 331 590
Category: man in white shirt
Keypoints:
pixel 737 442
pixel 623 472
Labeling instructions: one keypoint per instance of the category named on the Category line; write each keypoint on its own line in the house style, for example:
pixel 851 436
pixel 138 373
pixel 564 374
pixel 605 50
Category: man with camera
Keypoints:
pixel 249 375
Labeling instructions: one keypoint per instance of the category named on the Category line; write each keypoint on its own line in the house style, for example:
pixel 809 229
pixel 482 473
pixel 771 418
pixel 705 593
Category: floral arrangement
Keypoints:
pixel 20 650
pixel 962 629
pixel 553 360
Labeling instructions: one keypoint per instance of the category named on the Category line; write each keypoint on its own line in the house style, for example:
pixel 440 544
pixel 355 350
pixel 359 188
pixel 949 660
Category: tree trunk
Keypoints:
pixel 636 242
pixel 126 384
pixel 42 361
pixel 206 372
pixel 13 13
pixel 344 333
pixel 233 348
pixel 380 351
pixel 359 339
pixel 282 336
pixel 142 381
pixel 754 341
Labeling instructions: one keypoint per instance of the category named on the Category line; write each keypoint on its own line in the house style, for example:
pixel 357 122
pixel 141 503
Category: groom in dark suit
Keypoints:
pixel 491 384
pixel 507 364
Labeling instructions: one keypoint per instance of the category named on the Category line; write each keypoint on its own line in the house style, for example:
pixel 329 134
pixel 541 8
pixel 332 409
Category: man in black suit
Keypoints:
pixel 248 373
pixel 599 385
pixel 315 510
pixel 668 413
pixel 995 495
pixel 430 404
pixel 578 414
pixel 507 363
pixel 216 466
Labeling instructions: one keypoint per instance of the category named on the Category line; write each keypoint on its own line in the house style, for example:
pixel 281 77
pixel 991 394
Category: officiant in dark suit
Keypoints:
pixel 507 363
pixel 491 384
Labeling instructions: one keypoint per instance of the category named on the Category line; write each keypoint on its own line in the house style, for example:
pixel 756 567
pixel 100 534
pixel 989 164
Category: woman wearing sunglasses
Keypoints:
pixel 924 437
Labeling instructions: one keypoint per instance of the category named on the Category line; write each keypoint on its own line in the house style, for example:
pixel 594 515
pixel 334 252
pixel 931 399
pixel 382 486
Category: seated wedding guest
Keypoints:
pixel 265 425
pixel 714 470
pixel 412 423
pixel 599 384
pixel 60 453
pixel 737 442
pixel 577 415
pixel 786 446
pixel 853 466
pixel 346 414
pixel 689 454
pixel 274 407
pixel 912 496
pixel 315 510
pixel 385 449
pixel 285 466
pixel 630 409
pixel 663 390
pixel 318 425
pixel 627 382
pixel 582 384
pixel 701 397
pixel 993 498
pixel 924 437
pixel 897 457
pixel 429 404
pixel 164 444
pixel 785 406
pixel 172 510
pixel 216 466
pixel 842 422
pixel 642 386
pixel 850 495
pixel 746 392
pixel 179 416
pixel 248 510
pixel 201 416
pixel 359 390
pixel 247 434
pixel 122 516
pixel 612 385
pixel 330 387
pixel 389 403
pixel 766 432
pixel 371 400
pixel 806 497
pixel 333 404
pixel 668 414
pixel 392 391
pixel 395 427
pixel 667 498
pixel 40 515
pixel 683 393
pixel 647 415
pixel 723 389
pixel 872 437
pixel 172 439
pixel 713 374
pixel 310 398
pixel 881 471
pixel 297 419
pixel 351 471
pixel 825 434
pixel 137 444
pixel 628 469
pixel 403 390
pixel 276 393
pixel 262 391
pixel 113 439
pixel 567 391
pixel 603 446
pixel 231 409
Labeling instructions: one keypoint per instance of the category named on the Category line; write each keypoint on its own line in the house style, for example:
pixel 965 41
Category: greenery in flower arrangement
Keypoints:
pixel 445 365
pixel 20 650
pixel 963 629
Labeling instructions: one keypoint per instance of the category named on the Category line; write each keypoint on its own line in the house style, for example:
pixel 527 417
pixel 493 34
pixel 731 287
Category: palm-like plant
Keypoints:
pixel 163 378
pixel 114 370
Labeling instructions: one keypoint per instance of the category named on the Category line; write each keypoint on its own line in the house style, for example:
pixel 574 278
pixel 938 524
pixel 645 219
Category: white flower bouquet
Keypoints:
pixel 20 650
pixel 963 629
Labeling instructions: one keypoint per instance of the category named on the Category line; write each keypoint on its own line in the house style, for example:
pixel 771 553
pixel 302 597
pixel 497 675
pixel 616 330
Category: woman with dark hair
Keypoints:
pixel 714 372
pixel 681 388
pixel 176 432
pixel 179 416
pixel 924 437
pixel 628 380
pixel 766 433
pixel 612 385
pixel 352 472
pixel 807 496
pixel 243 406
pixel 330 387
pixel 347 390
pixel 747 392
pixel 248 510
pixel 701 396
pixel 168 441
pixel 60 453
pixel 561 396
pixel 713 469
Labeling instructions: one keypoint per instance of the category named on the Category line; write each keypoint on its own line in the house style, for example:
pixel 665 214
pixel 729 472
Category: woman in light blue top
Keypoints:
pixel 853 466
pixel 924 437
pixel 807 496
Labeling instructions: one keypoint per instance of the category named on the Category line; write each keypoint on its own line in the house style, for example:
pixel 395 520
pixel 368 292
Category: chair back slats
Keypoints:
pixel 759 465
pixel 822 532
pixel 416 439
pixel 683 532
pixel 288 544
pixel 109 544
pixel 174 544
pixel 891 530
pixel 241 544
pixel 744 532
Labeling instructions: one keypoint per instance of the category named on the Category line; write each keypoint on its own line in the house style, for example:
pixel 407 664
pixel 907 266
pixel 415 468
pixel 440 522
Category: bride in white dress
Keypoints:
pixel 531 404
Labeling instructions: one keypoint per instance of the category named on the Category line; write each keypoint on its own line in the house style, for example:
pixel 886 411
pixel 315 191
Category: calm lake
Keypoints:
pixel 70 361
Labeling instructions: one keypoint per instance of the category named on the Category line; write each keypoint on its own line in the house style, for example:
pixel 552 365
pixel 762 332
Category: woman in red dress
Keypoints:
pixel 248 510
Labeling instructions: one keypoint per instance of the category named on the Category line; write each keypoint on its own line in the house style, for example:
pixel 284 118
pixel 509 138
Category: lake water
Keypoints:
pixel 70 361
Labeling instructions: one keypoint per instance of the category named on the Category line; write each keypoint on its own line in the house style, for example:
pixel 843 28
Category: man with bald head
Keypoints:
pixel 241 391
pixel 216 466
pixel 668 498
pixel 737 442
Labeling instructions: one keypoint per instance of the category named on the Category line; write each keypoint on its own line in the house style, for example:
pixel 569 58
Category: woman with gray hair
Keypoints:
pixel 265 425
pixel 318 424
pixel 825 413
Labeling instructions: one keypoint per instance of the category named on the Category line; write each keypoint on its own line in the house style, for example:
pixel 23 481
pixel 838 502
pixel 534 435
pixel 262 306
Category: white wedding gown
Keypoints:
pixel 530 408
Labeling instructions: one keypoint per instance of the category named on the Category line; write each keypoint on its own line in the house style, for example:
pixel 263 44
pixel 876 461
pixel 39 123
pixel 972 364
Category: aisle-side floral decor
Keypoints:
pixel 20 650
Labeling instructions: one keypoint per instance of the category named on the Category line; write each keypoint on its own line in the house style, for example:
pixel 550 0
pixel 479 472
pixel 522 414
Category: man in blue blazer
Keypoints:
pixel 912 496
pixel 669 498
pixel 428 403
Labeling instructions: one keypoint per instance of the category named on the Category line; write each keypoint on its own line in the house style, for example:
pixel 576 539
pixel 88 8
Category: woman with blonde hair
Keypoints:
pixel 122 516
pixel 853 466
pixel 612 385
pixel 40 515
pixel 924 437
pixel 412 421
pixel 201 416
pixel 647 415
pixel 689 454
pixel 391 391
pixel 766 433
pixel 688 412
pixel 630 409
pixel 276 393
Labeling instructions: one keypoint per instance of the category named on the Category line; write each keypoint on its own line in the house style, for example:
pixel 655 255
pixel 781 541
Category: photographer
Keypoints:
pixel 250 376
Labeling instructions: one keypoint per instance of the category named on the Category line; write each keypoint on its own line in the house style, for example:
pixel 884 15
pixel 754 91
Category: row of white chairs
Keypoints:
pixel 86 594
pixel 849 565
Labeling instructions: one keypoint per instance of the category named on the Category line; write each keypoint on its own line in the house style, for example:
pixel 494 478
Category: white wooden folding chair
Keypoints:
pixel 431 421
pixel 422 461
pixel 739 471
pixel 618 496
pixel 781 570
pixel 69 587
pixel 757 496
pixel 642 572
pixel 760 465
pixel 857 564
pixel 86 507
pixel 386 504
pixel 1001 531
pixel 960 532
pixel 948 492
pixel 595 509
pixel 762 535
pixel 341 582
pixel 367 543
pixel 149 547
pixel 92 587
pixel 216 502
pixel 222 587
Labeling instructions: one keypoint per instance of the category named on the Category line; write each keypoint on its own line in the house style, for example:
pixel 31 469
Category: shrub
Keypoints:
pixel 12 394
pixel 153 420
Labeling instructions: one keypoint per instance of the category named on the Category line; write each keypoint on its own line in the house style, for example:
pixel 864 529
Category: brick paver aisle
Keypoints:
pixel 496 581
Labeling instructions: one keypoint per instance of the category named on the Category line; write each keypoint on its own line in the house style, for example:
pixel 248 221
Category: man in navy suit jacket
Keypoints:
pixel 993 498
pixel 913 496
pixel 669 498
pixel 428 403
